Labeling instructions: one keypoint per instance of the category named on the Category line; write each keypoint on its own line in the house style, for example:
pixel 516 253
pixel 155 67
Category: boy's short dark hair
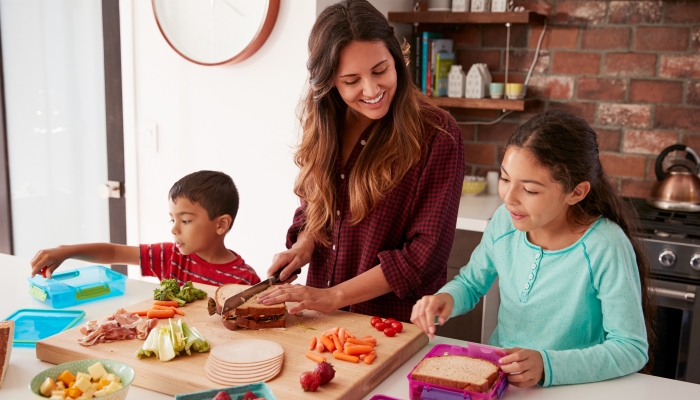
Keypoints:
pixel 213 190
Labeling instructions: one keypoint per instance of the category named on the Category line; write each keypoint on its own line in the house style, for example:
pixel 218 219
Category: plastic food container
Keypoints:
pixel 32 325
pixel 236 392
pixel 77 286
pixel 428 391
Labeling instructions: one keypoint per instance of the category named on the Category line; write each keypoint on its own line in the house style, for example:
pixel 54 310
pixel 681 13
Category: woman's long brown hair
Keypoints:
pixel 395 142
pixel 566 145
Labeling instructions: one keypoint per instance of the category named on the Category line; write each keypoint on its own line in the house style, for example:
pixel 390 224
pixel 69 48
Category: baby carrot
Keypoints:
pixel 312 344
pixel 175 310
pixel 160 313
pixel 342 335
pixel 141 313
pixel 330 331
pixel 342 356
pixel 358 349
pixel 170 303
pixel 349 334
pixel 360 341
pixel 362 356
pixel 370 357
pixel 315 357
pixel 320 347
pixel 328 343
pixel 336 342
pixel 370 339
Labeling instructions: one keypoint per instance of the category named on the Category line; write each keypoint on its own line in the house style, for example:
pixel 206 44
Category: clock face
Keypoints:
pixel 214 32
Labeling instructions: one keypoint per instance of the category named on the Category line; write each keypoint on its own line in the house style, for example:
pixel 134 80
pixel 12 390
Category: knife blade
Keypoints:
pixel 240 298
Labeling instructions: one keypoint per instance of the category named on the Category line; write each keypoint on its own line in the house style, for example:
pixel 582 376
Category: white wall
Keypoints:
pixel 240 119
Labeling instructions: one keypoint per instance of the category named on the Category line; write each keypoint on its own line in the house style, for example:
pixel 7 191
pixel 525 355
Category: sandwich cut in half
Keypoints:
pixel 251 314
pixel 459 372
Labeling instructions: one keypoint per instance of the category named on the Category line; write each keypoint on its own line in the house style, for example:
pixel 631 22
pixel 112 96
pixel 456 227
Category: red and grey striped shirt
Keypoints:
pixel 165 261
pixel 410 231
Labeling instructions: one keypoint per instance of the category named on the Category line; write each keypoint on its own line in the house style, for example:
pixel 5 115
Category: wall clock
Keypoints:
pixel 215 32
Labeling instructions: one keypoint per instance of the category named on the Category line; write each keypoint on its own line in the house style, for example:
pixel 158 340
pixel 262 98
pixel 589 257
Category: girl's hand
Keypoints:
pixel 292 259
pixel 524 366
pixel 429 307
pixel 308 298
pixel 49 259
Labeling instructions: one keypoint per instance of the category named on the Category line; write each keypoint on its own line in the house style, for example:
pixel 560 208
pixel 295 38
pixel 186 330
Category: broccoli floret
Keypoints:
pixel 170 284
pixel 165 294
pixel 189 293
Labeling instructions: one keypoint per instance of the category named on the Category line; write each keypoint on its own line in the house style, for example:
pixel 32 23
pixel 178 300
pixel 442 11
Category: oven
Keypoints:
pixel 671 242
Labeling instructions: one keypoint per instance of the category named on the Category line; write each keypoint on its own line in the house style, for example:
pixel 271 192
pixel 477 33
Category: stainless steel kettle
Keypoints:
pixel 677 187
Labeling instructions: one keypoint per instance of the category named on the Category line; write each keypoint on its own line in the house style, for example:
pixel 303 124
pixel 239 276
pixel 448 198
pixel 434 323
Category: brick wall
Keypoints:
pixel 631 68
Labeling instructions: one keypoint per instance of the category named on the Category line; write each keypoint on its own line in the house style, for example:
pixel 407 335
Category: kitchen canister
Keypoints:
pixel 460 6
pixel 439 5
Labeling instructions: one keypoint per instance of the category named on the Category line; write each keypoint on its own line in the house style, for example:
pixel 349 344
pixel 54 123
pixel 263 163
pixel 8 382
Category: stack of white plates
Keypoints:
pixel 244 361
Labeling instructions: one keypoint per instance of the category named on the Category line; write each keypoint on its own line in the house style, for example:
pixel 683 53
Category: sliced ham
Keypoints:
pixel 119 326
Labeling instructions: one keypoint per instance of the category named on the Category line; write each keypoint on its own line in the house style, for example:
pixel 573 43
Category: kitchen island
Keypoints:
pixel 24 364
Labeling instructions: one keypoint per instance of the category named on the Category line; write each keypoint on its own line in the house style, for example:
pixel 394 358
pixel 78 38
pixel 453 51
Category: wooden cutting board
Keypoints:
pixel 185 374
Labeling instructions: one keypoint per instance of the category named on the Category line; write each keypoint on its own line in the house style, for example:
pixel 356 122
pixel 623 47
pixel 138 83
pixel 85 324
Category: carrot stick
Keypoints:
pixel 336 342
pixel 362 356
pixel 349 334
pixel 358 349
pixel 315 357
pixel 370 339
pixel 175 310
pixel 320 347
pixel 312 344
pixel 328 343
pixel 141 313
pixel 171 303
pixel 342 335
pixel 360 341
pixel 342 356
pixel 370 357
pixel 160 313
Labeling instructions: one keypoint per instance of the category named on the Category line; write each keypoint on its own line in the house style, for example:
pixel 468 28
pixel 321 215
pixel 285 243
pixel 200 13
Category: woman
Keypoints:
pixel 380 175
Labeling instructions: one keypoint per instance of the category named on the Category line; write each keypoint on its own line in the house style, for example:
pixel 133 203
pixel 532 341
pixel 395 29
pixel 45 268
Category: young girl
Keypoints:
pixel 572 280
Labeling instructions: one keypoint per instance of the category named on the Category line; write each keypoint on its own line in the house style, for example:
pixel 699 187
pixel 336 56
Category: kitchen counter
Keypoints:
pixel 24 364
pixel 476 211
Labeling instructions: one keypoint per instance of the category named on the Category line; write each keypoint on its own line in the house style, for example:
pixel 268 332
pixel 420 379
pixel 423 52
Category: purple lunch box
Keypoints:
pixel 429 391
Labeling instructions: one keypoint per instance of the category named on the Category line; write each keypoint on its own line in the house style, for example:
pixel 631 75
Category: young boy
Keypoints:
pixel 203 206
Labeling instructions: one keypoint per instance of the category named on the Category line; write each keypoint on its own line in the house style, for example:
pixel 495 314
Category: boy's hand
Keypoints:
pixel 46 261
pixel 426 309
pixel 525 367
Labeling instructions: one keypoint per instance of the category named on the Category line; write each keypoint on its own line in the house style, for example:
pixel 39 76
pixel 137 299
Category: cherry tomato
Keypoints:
pixel 381 326
pixel 389 332
pixel 397 326
pixel 374 321
pixel 389 320
pixel 43 272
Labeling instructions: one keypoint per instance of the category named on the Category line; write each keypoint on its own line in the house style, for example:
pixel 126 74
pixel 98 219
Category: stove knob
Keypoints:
pixel 695 262
pixel 667 258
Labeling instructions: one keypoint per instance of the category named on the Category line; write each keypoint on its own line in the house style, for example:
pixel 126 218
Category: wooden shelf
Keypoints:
pixel 448 17
pixel 484 104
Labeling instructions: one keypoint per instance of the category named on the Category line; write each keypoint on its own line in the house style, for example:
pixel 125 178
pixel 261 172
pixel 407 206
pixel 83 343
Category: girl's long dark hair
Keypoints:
pixel 566 145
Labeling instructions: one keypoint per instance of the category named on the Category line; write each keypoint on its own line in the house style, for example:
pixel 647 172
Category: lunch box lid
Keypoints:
pixel 32 324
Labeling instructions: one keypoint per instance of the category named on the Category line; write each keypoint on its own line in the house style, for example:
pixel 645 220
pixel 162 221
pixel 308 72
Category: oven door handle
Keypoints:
pixel 672 294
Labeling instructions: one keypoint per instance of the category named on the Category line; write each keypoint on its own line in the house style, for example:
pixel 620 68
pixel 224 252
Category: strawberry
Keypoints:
pixel 222 395
pixel 310 381
pixel 326 371
pixel 249 396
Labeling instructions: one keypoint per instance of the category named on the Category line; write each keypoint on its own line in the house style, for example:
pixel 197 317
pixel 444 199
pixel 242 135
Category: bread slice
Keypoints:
pixel 251 314
pixel 459 372
pixel 7 333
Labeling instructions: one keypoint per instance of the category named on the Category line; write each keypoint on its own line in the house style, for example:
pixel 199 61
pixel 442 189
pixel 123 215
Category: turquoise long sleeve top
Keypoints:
pixel 580 307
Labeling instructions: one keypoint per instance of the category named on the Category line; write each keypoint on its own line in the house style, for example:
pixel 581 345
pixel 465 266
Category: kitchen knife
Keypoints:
pixel 240 298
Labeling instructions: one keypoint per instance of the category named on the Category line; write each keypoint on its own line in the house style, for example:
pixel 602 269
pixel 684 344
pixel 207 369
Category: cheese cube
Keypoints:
pixel 100 393
pixel 89 393
pixel 112 387
pixel 83 374
pixel 60 385
pixel 73 393
pixel 66 377
pixel 56 397
pixel 112 377
pixel 61 393
pixel 82 383
pixel 96 370
pixel 95 386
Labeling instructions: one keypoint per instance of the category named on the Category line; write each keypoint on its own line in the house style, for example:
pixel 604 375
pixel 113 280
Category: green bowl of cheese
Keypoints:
pixel 112 377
